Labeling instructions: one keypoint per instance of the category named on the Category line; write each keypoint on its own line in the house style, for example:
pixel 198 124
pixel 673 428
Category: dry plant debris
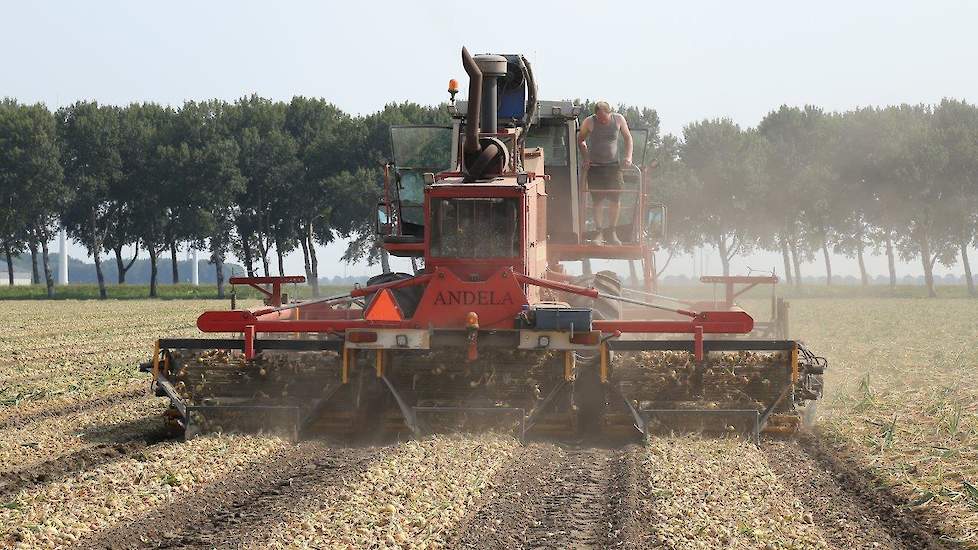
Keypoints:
pixel 902 402
pixel 901 405
pixel 74 348
pixel 720 493
pixel 409 499
pixel 58 513
pixel 24 446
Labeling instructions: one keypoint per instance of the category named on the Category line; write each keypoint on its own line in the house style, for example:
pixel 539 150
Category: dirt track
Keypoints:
pixel 556 497
pixel 236 508
pixel 600 498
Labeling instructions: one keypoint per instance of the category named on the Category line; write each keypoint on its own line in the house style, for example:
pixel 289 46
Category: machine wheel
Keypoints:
pixel 407 298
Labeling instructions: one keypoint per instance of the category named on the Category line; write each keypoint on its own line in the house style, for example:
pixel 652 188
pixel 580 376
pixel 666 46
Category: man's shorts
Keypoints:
pixel 604 178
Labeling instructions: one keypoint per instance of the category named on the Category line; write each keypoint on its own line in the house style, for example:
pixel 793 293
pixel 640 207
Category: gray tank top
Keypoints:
pixel 603 141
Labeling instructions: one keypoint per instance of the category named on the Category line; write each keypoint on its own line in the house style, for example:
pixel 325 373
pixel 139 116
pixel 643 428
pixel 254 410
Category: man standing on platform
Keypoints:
pixel 598 140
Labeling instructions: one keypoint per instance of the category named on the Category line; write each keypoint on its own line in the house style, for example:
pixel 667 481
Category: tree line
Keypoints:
pixel 807 184
pixel 255 178
pixel 260 179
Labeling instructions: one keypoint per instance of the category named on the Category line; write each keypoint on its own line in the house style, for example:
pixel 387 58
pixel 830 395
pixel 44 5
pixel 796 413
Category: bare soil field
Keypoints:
pixel 893 462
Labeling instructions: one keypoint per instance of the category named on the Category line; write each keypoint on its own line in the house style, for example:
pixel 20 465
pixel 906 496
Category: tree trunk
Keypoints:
pixel 828 262
pixel 153 272
pixel 281 260
pixel 724 257
pixel 967 269
pixel 786 259
pixel 173 260
pixel 863 274
pixel 928 264
pixel 305 258
pixel 264 246
pixel 46 260
pixel 658 273
pixel 385 261
pixel 796 261
pixel 249 262
pixel 96 252
pixel 124 267
pixel 97 255
pixel 891 260
pixel 219 273
pixel 313 262
pixel 35 278
pixel 10 262
pixel 120 267
pixel 217 256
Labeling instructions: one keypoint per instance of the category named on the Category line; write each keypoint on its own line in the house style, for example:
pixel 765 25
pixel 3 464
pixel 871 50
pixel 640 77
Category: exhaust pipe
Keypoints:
pixel 480 158
pixel 471 144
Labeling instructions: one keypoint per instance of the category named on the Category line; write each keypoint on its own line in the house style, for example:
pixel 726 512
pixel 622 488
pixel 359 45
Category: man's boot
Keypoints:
pixel 599 238
pixel 610 237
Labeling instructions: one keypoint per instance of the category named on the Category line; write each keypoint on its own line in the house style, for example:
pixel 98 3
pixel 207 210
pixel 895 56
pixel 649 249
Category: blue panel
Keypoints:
pixel 512 91
pixel 562 319
pixel 512 104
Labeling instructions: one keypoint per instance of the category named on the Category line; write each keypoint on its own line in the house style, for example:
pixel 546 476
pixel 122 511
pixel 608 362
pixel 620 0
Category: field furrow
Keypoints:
pixel 554 497
pixel 846 506
pixel 27 412
pixel 412 497
pixel 59 445
pixel 225 512
pixel 56 514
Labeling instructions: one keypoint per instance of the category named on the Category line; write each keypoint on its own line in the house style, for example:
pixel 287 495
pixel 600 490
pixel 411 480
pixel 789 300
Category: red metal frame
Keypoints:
pixel 272 297
pixel 730 281
pixel 447 303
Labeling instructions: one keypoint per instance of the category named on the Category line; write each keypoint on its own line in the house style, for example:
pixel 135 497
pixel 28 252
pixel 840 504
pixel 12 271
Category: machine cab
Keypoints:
pixel 536 138
pixel 417 150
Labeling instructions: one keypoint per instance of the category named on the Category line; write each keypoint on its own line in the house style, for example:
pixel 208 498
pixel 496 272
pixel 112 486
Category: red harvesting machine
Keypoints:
pixel 491 331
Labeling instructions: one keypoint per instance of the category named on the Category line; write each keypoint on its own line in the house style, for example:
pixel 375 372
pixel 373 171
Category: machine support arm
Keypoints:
pixel 654 295
pixel 413 281
pixel 297 305
pixel 554 285
pixel 685 312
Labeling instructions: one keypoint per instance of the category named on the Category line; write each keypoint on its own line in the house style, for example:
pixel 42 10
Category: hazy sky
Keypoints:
pixel 704 59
